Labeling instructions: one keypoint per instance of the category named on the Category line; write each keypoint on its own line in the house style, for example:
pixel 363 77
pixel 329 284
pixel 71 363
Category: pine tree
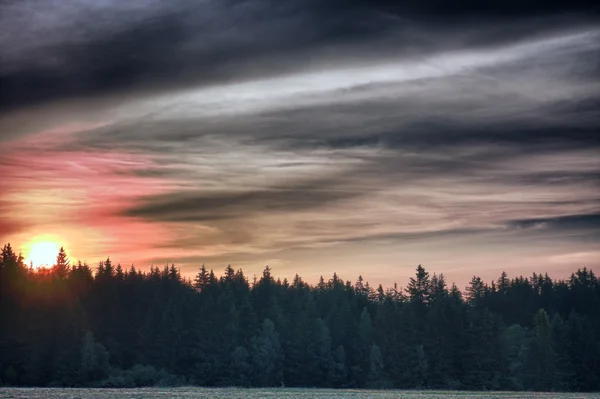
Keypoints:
pixel 475 291
pixel 585 352
pixel 365 327
pixel 319 355
pixel 266 356
pixel 94 360
pixel 62 267
pixel 338 373
pixel 62 326
pixel 420 367
pixel 503 283
pixel 419 287
pixel 515 343
pixel 564 374
pixel 376 377
pixel 119 274
pixel 541 362
pixel 240 367
pixel 201 279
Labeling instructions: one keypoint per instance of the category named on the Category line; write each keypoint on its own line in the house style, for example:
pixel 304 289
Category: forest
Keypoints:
pixel 76 325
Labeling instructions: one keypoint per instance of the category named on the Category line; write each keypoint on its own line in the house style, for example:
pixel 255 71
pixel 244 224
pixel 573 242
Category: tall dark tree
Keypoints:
pixel 541 357
pixel 377 378
pixel 70 325
pixel 419 287
pixel 62 268
pixel 94 359
pixel 267 356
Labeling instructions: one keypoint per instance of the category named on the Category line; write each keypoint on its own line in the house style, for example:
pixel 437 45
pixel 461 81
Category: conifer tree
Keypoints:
pixel 267 356
pixel 70 326
pixel 541 364
pixel 62 267
pixel 94 359
pixel 419 287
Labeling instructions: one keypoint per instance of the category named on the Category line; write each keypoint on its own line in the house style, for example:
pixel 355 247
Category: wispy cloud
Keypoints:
pixel 328 138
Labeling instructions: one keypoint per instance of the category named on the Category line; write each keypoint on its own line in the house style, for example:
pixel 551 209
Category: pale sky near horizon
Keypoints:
pixel 357 137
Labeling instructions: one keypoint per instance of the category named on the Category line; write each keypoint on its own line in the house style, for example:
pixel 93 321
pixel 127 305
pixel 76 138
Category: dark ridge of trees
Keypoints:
pixel 73 325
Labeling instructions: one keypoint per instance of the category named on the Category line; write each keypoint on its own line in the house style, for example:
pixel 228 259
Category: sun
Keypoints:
pixel 42 253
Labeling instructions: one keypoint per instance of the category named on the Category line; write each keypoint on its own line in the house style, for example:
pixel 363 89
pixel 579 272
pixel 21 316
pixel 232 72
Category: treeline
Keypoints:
pixel 72 325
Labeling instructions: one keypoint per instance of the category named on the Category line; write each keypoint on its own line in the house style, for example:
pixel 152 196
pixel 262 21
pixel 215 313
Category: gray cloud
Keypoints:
pixel 466 149
pixel 311 128
pixel 501 95
pixel 83 49
pixel 204 206
pixel 568 222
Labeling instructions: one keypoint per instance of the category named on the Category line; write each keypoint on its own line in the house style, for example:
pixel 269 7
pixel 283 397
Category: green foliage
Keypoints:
pixel 377 378
pixel 541 357
pixel 241 367
pixel 339 372
pixel 318 353
pixel 10 376
pixel 267 357
pixel 419 287
pixel 420 366
pixel 94 360
pixel 73 326
pixel 515 349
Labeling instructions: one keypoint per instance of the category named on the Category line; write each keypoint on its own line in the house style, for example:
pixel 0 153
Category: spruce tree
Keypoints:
pixel 62 267
pixel 267 356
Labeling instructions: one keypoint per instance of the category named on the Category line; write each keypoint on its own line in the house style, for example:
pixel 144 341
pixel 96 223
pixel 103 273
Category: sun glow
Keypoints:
pixel 42 253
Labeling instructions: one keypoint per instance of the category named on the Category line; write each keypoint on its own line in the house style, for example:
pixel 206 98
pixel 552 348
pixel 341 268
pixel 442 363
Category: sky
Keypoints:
pixel 314 136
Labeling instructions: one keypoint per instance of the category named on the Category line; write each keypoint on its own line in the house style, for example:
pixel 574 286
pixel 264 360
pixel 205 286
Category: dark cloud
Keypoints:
pixel 511 8
pixel 204 206
pixel 567 222
pixel 273 129
pixel 205 42
pixel 584 224
pixel 89 50
pixel 435 117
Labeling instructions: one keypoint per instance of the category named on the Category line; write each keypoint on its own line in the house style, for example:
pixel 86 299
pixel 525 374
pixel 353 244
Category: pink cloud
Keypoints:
pixel 77 196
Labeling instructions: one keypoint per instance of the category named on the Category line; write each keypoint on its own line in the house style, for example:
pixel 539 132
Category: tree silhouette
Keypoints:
pixel 71 325
pixel 62 267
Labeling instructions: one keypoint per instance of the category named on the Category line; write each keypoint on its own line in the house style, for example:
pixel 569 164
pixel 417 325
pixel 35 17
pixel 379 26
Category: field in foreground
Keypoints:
pixel 204 393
